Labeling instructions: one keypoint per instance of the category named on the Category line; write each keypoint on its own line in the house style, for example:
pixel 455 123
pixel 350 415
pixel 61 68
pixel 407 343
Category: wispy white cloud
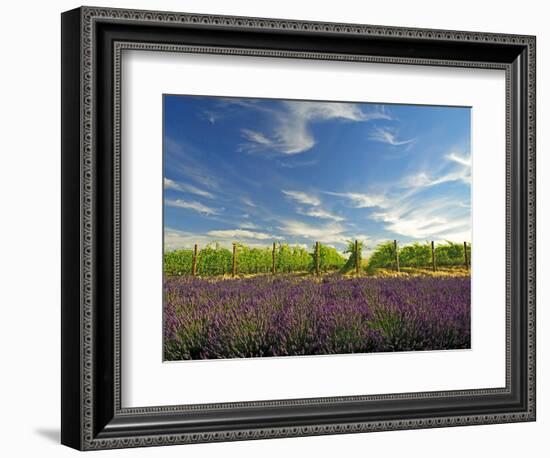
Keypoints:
pixel 211 116
pixel 248 201
pixel 425 180
pixel 327 233
pixel 389 136
pixel 244 102
pixel 362 200
pixel 302 197
pixel 175 239
pixel 186 187
pixel 315 210
pixel 192 205
pixel 183 158
pixel 425 218
pixel 291 132
pixel 320 213
pixel 460 172
pixel 242 233
pixel 457 175
pixel 258 138
pixel 417 227
pixel 461 159
pixel 405 210
pixel 248 224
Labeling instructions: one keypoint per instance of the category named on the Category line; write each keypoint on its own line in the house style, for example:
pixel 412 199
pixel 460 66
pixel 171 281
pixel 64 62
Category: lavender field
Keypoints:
pixel 291 315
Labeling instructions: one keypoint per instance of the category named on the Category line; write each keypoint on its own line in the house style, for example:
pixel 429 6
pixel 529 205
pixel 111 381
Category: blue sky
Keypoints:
pixel 260 170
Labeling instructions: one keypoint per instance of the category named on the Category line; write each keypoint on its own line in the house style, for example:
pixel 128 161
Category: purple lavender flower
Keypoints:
pixel 286 315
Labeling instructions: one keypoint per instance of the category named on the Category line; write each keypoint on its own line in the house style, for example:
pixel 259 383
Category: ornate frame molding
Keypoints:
pixel 89 433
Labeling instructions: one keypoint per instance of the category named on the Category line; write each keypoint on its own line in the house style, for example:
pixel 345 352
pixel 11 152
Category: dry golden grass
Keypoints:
pixel 380 273
pixel 427 272
pixel 405 272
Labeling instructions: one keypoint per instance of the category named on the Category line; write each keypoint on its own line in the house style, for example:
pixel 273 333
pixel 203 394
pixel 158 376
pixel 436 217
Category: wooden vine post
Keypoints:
pixel 317 249
pixel 356 257
pixel 195 253
pixel 433 256
pixel 273 268
pixel 466 262
pixel 234 260
pixel 396 256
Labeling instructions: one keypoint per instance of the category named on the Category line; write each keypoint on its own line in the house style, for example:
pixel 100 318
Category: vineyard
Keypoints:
pixel 215 260
pixel 390 256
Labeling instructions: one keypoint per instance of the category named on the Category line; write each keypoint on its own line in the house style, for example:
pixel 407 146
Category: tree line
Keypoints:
pixel 281 258
pixel 215 259
pixel 390 255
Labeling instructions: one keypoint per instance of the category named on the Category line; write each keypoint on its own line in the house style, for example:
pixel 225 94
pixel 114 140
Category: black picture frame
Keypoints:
pixel 92 40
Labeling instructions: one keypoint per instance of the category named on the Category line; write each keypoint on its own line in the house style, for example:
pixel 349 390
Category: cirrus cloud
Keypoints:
pixel 186 187
pixel 192 205
pixel 302 197
pixel 291 121
pixel 242 233
pixel 388 136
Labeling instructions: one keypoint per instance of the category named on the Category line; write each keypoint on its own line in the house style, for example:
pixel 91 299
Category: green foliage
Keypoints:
pixel 329 258
pixel 178 262
pixel 418 255
pixel 253 260
pixel 451 254
pixel 415 255
pixel 216 260
pixel 292 259
pixel 350 263
pixel 383 256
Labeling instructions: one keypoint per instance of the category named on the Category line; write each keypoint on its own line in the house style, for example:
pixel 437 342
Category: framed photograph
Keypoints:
pixel 276 228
